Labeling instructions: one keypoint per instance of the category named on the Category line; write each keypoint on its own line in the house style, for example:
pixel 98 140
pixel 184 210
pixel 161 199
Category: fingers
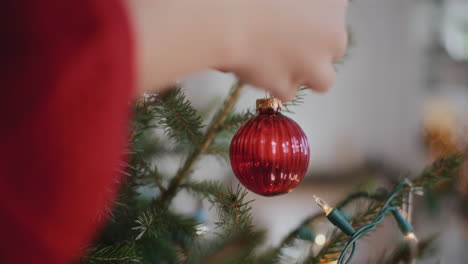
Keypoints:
pixel 335 36
pixel 341 45
pixel 321 77
pixel 285 92
pixel 299 49
pixel 272 79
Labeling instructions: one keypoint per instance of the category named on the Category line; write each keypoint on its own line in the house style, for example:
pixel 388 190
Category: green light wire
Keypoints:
pixel 359 195
pixel 369 227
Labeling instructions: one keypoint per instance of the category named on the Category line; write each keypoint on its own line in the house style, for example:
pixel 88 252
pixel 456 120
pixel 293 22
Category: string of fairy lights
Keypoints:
pixel 402 216
pixel 401 210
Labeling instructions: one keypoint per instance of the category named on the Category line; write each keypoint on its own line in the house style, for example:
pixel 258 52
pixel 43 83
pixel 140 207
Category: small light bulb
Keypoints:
pixel 325 207
pixel 320 239
pixel 411 236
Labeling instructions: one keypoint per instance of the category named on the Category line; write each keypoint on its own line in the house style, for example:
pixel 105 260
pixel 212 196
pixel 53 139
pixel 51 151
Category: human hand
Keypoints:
pixel 277 45
pixel 280 45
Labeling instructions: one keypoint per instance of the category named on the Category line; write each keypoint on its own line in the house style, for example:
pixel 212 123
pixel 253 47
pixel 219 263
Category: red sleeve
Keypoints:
pixel 66 77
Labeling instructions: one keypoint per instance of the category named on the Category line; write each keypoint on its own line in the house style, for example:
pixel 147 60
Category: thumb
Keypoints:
pixel 285 91
pixel 322 77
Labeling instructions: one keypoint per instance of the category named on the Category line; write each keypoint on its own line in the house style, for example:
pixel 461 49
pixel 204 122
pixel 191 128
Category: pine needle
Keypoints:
pixel 179 119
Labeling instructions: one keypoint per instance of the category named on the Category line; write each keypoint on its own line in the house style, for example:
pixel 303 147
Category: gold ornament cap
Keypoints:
pixel 269 104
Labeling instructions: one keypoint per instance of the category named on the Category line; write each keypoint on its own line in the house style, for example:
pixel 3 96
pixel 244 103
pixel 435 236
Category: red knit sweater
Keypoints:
pixel 66 76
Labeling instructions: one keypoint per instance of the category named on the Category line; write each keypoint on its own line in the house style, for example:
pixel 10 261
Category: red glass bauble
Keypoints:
pixel 270 152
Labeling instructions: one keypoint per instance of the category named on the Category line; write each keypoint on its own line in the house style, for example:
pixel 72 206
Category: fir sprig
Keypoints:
pixel 116 254
pixel 179 119
pixel 145 111
pixel 233 248
pixel 234 212
pixel 166 223
pixel 236 239
pixel 201 148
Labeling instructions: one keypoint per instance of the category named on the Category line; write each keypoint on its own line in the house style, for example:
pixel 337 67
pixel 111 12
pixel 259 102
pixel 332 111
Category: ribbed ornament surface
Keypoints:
pixel 270 154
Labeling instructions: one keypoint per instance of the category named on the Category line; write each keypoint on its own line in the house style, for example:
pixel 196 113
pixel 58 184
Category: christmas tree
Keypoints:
pixel 145 228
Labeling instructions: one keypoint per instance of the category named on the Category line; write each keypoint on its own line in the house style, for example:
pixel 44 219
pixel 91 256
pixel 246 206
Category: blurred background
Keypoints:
pixel 401 97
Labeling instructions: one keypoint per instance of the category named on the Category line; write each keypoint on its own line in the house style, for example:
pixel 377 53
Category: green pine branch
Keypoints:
pixel 235 239
pixel 163 223
pixel 145 110
pixel 201 148
pixel 234 212
pixel 155 234
pixel 234 248
pixel 179 119
pixel 116 254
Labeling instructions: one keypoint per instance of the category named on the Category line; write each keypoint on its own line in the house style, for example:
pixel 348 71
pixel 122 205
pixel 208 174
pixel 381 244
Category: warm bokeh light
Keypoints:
pixel 320 239
pixel 411 236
